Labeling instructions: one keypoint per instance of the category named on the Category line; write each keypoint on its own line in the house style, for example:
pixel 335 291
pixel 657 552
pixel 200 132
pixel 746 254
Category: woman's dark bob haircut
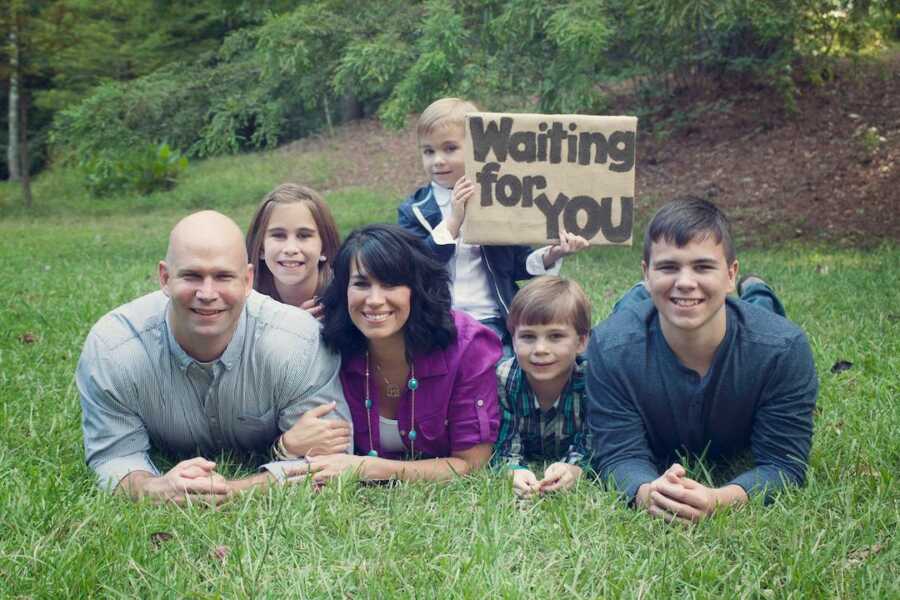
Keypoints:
pixel 392 256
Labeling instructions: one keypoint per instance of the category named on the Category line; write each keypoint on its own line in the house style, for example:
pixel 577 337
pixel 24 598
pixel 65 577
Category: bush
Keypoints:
pixel 150 169
pixel 169 105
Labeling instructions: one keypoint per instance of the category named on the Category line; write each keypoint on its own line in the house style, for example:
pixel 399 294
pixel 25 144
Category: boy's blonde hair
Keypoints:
pixel 550 299
pixel 444 113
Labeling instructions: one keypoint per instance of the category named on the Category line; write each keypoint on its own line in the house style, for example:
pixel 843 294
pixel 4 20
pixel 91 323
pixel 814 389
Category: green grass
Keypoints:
pixel 61 538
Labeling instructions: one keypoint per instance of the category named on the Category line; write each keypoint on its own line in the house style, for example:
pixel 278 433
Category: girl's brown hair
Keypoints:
pixel 288 193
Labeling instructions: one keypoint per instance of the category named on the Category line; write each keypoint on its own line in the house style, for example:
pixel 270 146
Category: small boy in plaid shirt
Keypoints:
pixel 541 389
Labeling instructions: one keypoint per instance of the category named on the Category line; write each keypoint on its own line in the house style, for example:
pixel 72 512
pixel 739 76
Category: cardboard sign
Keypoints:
pixel 536 173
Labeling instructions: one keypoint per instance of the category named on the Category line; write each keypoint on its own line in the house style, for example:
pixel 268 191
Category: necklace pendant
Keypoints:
pixel 391 390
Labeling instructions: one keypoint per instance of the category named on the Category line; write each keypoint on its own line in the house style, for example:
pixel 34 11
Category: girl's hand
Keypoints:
pixel 314 307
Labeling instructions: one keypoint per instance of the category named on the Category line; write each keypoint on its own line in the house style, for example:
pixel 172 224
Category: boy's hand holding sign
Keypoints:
pixel 539 176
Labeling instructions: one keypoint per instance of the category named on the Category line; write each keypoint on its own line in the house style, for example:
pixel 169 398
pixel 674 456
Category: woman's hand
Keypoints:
pixel 326 467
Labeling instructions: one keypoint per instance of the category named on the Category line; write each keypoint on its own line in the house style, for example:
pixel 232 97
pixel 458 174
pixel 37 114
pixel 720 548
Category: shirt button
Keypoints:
pixel 479 402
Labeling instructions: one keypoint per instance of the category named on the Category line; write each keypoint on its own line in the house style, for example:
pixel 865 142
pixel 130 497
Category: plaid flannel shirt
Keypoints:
pixel 529 434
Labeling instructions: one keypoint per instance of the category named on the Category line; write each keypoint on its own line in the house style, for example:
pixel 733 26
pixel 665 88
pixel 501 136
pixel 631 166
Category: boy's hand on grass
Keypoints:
pixel 675 497
pixel 559 476
pixel 462 193
pixel 569 243
pixel 692 501
pixel 648 494
pixel 313 434
pixel 525 483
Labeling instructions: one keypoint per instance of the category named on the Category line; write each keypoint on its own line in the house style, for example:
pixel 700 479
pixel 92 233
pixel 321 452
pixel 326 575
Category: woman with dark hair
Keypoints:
pixel 418 377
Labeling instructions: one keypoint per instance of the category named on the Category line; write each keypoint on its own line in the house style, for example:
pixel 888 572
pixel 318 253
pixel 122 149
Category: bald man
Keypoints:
pixel 205 365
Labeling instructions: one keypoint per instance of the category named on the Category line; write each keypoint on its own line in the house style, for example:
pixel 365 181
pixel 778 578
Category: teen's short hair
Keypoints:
pixel 688 219
pixel 550 299
pixel 290 193
pixel 393 256
pixel 443 113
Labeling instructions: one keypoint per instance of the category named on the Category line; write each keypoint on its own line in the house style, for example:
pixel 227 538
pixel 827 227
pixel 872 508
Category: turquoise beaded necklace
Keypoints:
pixel 411 384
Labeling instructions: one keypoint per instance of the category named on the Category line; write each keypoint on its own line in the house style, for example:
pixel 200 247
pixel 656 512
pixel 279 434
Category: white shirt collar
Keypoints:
pixel 441 194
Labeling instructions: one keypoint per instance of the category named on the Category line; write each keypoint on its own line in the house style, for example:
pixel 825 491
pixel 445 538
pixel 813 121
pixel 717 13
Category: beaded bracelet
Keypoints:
pixel 279 452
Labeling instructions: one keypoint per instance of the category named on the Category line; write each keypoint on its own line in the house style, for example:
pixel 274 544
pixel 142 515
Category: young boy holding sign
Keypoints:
pixel 483 278
pixel 541 389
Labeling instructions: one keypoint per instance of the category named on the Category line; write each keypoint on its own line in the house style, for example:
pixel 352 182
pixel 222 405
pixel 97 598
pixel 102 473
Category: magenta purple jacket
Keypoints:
pixel 456 399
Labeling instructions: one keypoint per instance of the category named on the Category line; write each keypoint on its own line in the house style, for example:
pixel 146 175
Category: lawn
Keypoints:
pixel 61 538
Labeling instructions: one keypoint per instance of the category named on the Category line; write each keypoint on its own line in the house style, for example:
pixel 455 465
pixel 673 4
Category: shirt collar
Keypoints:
pixel 574 387
pixel 229 358
pixel 441 194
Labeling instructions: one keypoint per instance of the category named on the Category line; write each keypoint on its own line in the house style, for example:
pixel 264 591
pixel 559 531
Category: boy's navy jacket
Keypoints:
pixel 420 214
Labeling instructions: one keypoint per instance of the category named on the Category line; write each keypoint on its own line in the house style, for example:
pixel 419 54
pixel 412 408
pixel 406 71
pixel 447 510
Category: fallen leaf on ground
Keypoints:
pixel 858 556
pixel 158 538
pixel 28 338
pixel 867 470
pixel 841 365
pixel 220 553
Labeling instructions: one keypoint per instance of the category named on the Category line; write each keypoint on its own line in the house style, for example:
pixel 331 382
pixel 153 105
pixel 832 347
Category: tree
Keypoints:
pixel 12 152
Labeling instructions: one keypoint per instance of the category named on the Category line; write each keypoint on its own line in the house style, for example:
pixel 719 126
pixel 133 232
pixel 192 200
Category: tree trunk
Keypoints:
pixel 23 155
pixel 351 108
pixel 12 152
pixel 328 115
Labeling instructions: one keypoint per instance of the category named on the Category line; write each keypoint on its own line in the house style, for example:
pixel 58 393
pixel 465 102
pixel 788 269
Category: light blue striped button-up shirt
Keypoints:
pixel 140 390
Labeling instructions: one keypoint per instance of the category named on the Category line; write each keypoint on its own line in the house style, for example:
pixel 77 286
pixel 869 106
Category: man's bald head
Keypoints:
pixel 204 228
pixel 207 277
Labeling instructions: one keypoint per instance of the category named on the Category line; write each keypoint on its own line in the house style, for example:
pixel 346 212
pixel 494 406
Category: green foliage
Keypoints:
pixel 290 72
pixel 716 43
pixel 143 171
pixel 67 48
pixel 440 49
pixel 167 105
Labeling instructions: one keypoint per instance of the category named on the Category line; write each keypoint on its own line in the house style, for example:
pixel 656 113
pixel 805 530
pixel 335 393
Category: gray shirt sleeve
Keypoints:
pixel 320 385
pixel 115 439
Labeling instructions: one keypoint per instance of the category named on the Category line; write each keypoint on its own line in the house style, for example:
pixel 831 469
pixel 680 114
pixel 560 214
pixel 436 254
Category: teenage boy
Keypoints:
pixel 541 389
pixel 483 278
pixel 689 371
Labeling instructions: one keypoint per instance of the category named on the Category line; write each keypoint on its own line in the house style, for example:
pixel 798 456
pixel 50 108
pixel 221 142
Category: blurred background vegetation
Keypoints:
pixel 128 90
